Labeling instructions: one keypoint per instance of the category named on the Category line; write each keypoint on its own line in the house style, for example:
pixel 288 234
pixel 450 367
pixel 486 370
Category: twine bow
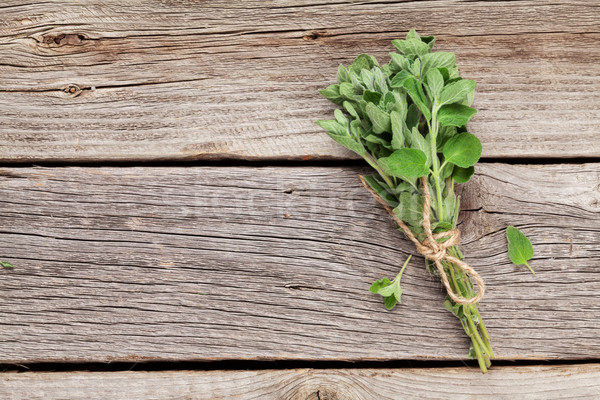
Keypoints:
pixel 431 248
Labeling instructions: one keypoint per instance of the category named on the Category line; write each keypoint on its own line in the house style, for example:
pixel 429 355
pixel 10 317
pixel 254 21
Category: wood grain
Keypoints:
pixel 527 383
pixel 274 263
pixel 152 80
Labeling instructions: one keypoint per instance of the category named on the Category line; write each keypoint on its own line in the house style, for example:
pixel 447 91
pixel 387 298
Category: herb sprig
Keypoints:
pixel 408 119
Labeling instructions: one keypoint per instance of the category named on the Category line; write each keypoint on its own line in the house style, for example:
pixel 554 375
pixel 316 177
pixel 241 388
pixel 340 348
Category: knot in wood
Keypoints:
pixel 72 90
pixel 64 39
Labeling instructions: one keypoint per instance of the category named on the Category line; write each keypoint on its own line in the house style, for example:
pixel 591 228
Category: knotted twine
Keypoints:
pixel 433 250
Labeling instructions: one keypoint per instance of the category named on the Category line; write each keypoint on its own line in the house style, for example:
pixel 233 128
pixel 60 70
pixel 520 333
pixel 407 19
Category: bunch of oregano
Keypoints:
pixel 408 120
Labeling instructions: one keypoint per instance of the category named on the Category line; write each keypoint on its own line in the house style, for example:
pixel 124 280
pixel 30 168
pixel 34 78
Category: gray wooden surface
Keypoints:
pixel 147 80
pixel 503 383
pixel 274 263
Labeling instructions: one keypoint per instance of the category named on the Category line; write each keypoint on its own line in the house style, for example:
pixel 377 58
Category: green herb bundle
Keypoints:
pixel 408 119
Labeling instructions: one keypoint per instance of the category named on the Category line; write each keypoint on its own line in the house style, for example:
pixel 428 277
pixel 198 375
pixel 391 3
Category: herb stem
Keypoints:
pixel 399 276
pixel 433 132
pixel 531 269
pixel 373 163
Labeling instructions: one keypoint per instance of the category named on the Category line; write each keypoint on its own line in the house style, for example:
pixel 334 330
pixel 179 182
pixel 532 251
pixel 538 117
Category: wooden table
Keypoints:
pixel 180 228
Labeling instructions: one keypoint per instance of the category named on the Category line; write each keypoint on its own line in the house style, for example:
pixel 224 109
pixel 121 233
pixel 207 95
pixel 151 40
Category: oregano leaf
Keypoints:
pixel 411 163
pixel 462 175
pixel 455 115
pixel 379 118
pixel 462 150
pixel 520 249
pixel 457 91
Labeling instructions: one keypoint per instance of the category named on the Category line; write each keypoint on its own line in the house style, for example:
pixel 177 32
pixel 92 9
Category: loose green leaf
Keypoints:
pixel 463 150
pixel 455 115
pixel 391 291
pixel 520 249
pixel 379 118
pixel 462 175
pixel 457 91
pixel 411 163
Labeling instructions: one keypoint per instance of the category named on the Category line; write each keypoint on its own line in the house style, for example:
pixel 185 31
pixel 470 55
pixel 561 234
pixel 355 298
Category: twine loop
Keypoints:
pixel 433 247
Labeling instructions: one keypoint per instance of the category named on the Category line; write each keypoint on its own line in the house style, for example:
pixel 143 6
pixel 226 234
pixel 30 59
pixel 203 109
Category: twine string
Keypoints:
pixel 431 248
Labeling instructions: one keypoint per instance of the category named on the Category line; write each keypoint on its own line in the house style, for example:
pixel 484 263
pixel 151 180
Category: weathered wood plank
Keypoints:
pixel 275 263
pixel 527 383
pixel 187 80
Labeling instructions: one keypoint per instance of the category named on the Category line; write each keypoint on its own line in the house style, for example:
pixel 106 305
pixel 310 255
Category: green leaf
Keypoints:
pixel 397 135
pixel 341 135
pixel 435 83
pixel 415 69
pixel 462 175
pixel 455 115
pixel 454 308
pixel 399 62
pixel 350 108
pixel 446 171
pixel 415 91
pixel 463 150
pixel 411 163
pixel 332 93
pixel 410 208
pixel 380 81
pixel 391 291
pixel 372 97
pixel 380 119
pixel 363 61
pixel 342 74
pixel 457 91
pixel 401 104
pixel 356 130
pixel 5 264
pixel 412 116
pixel 390 302
pixel 520 249
pixel 333 127
pixel 417 141
pixel 340 117
pixel 379 284
pixel 411 46
pixel 439 59
pixel 380 189
pixel 412 34
pixel 398 81
pixel 347 90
